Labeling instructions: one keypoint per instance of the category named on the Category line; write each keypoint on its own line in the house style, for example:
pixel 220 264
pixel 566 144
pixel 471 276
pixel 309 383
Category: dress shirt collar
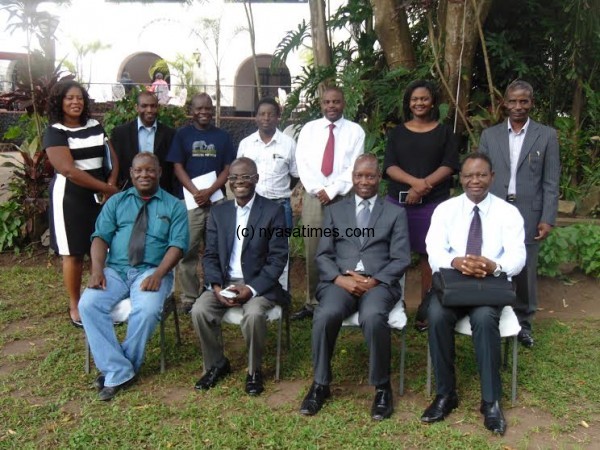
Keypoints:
pixel 338 123
pixel 132 191
pixel 247 206
pixel 275 138
pixel 140 124
pixel 483 205
pixel 523 130
pixel 371 201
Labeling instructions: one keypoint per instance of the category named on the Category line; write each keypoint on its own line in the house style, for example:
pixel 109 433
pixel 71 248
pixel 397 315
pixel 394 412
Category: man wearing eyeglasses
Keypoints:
pixel 245 254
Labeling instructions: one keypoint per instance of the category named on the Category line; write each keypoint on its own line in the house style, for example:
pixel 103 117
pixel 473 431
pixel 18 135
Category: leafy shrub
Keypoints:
pixel 578 244
pixel 11 222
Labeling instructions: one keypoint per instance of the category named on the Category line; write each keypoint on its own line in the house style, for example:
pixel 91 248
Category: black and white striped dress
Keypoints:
pixel 73 209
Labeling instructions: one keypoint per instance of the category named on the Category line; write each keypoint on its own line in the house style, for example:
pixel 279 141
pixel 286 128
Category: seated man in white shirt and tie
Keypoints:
pixel 479 235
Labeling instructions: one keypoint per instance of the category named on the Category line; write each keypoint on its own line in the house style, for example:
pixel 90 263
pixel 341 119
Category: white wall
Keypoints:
pixel 166 29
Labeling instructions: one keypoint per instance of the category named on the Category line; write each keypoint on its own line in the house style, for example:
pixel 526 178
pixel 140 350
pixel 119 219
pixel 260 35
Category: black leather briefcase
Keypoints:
pixel 457 290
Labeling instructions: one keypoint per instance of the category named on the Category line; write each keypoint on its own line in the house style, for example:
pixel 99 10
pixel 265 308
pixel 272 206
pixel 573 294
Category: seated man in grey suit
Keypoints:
pixel 359 271
pixel 246 252
pixel 479 235
pixel 526 160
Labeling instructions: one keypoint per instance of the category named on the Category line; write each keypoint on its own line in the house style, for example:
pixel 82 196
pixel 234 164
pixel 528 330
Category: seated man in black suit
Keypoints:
pixel 144 134
pixel 479 235
pixel 245 255
pixel 359 273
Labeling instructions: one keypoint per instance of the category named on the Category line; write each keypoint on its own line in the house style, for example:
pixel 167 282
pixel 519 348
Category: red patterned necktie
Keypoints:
pixel 327 164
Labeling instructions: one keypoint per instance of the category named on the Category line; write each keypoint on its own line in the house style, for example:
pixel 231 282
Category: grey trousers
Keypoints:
pixel 526 287
pixel 187 270
pixel 485 321
pixel 335 304
pixel 207 315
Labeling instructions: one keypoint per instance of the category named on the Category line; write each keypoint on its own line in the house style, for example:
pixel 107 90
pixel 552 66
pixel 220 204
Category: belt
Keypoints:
pixel 511 198
pixel 364 274
pixel 280 200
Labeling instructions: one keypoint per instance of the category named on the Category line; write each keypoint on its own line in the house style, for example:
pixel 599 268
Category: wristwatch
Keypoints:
pixel 497 270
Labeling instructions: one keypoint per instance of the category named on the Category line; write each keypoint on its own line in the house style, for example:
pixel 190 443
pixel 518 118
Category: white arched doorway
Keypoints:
pixel 245 92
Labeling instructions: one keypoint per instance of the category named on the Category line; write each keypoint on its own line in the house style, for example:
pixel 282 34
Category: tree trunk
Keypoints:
pixel 320 40
pixel 252 32
pixel 393 33
pixel 460 47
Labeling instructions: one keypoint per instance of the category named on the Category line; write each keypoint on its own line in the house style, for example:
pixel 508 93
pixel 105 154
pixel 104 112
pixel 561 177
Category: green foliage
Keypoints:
pixel 11 222
pixel 578 244
pixel 123 111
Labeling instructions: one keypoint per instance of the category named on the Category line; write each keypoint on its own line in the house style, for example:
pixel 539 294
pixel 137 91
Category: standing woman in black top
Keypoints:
pixel 75 145
pixel 420 157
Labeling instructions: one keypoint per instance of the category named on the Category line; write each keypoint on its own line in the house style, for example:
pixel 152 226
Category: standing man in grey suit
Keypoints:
pixel 526 160
pixel 144 134
pixel 361 257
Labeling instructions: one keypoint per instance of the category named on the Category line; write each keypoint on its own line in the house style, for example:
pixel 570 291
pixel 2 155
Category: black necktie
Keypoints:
pixel 475 238
pixel 137 241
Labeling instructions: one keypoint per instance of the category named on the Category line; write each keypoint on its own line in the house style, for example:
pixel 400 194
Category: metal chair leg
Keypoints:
pixel 428 371
pixel 514 370
pixel 162 345
pixel 278 358
pixel 87 363
pixel 402 358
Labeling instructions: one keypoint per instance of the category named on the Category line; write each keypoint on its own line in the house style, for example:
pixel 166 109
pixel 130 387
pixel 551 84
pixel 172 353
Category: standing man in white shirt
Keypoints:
pixel 275 156
pixel 325 155
pixel 479 235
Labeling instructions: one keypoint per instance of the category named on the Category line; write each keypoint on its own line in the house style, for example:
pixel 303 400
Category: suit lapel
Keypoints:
pixel 375 213
pixel 504 143
pixel 134 146
pixel 532 134
pixel 230 226
pixel 253 220
pixel 158 137
pixel 349 209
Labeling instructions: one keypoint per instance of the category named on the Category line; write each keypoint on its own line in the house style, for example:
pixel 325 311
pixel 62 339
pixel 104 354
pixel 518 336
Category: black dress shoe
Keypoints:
pixel 383 404
pixel 493 418
pixel 525 338
pixel 99 382
pixel 302 314
pixel 108 392
pixel 212 377
pixel 254 383
pixel 441 406
pixel 313 402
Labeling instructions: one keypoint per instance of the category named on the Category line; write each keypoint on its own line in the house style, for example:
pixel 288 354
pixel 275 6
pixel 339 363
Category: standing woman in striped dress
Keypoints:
pixel 75 145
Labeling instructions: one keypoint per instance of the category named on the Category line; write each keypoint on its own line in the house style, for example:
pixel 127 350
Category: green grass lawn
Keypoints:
pixel 46 399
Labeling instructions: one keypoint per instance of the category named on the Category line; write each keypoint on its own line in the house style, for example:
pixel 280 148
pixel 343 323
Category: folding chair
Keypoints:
pixel 509 329
pixel 397 321
pixel 120 314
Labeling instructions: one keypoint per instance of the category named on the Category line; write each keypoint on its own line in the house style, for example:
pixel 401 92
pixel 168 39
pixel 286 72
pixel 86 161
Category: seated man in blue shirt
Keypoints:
pixel 146 230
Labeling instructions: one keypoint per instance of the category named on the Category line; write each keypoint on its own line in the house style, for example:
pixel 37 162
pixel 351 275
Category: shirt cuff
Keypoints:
pixel 253 291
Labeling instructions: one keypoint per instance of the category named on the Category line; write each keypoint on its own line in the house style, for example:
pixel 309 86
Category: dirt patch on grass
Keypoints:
pixel 18 348
pixel 285 392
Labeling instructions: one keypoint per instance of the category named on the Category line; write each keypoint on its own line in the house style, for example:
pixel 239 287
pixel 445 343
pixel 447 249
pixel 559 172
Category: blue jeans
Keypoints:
pixel 120 362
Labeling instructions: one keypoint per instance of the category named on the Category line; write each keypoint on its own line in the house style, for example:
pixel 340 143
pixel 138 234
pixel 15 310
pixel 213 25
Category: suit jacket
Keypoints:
pixel 124 139
pixel 538 172
pixel 385 255
pixel 263 257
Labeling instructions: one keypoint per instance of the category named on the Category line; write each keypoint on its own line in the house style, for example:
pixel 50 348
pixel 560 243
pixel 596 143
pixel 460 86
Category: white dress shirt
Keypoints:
pixel 275 161
pixel 515 143
pixel 502 230
pixel 242 213
pixel 359 266
pixel 349 144
pixel 146 136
